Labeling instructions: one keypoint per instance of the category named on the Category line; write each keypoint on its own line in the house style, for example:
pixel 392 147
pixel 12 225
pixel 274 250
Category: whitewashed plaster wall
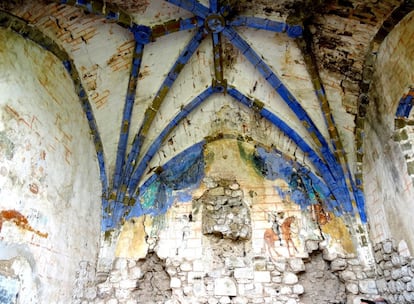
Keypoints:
pixel 388 187
pixel 49 177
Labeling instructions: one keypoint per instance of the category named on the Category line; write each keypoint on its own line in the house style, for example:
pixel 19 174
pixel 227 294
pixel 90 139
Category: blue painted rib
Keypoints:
pixel 192 6
pixel 169 80
pixel 214 6
pixel 142 33
pixel 189 24
pixel 405 105
pixel 260 23
pixel 126 117
pixel 87 109
pixel 341 193
pixel 293 31
pixel 360 202
pixel 289 99
pixel 139 172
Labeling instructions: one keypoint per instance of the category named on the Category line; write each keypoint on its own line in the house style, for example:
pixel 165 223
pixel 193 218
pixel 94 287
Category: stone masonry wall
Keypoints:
pixel 194 259
pixel 323 278
pixel 395 270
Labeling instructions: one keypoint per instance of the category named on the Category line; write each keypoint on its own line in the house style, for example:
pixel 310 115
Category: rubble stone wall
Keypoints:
pixel 200 258
pixel 395 271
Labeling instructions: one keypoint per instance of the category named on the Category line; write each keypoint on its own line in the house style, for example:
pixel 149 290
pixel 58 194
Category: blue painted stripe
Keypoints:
pixel 192 6
pixel 169 27
pixel 189 24
pixel 126 117
pixel 213 6
pixel 341 193
pixel 289 99
pixel 96 137
pixel 169 80
pixel 260 23
pixel 293 31
pixel 405 105
pixel 139 172
pixel 360 202
pixel 142 33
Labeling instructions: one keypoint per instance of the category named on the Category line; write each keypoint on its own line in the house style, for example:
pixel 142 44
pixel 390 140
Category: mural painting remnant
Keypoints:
pixel 19 220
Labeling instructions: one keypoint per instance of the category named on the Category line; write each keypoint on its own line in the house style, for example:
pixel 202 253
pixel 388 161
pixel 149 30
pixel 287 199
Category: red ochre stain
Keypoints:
pixel 19 220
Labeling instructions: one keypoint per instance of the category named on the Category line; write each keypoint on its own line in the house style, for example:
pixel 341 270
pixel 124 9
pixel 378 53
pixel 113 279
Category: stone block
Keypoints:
pixel 186 266
pixel 296 265
pixel 396 274
pixel 198 265
pixel 115 276
pixel 311 246
pixel 329 255
pixel 224 300
pixel 234 186
pixel 280 265
pixel 262 276
pixel 122 294
pixel 400 286
pixel 259 264
pixel 289 278
pixel 171 270
pixel 338 264
pixel 90 293
pixel 234 262
pixel 212 300
pixel 175 283
pixel 209 182
pixel 243 273
pixel 387 246
pixel 408 296
pixel 218 191
pixel 195 276
pixel 240 300
pixel 352 288
pixel 347 275
pixel 298 289
pixel 285 290
pixel 225 287
pixel 199 289
pixel 258 289
pixel 367 287
pixel 104 289
pixel 127 284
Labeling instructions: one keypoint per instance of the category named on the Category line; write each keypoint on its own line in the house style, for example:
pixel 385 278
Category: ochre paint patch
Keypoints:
pixel 132 243
pixel 339 233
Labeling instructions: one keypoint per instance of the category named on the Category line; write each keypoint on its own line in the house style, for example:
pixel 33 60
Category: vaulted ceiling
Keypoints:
pixel 158 78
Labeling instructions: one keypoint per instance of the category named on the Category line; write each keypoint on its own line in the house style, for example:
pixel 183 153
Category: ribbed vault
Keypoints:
pixel 159 101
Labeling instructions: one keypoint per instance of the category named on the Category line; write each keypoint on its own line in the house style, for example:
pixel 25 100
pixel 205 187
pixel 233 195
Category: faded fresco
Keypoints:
pixel 278 206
